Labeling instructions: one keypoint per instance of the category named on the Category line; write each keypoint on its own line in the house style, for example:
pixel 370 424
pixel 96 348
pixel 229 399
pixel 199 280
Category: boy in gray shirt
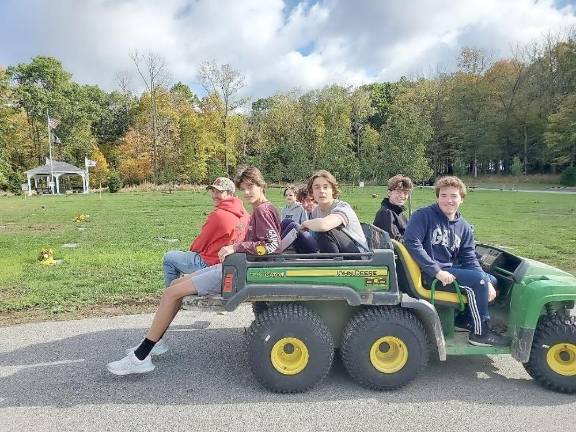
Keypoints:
pixel 293 210
pixel 335 222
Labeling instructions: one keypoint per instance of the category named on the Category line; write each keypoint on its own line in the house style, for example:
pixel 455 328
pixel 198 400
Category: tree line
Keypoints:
pixel 514 115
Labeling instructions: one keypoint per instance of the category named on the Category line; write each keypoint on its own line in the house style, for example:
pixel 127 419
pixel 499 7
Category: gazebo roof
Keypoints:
pixel 58 167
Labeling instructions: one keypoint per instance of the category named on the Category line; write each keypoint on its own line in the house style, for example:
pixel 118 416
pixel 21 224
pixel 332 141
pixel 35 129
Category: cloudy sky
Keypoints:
pixel 277 44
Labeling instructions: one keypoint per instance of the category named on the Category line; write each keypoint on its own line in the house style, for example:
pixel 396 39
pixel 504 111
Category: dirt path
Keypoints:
pixel 146 305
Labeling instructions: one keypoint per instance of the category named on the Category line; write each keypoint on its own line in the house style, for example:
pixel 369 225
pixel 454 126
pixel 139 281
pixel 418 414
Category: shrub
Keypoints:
pixel 517 166
pixel 114 182
pixel 167 175
pixel 568 177
pixel 459 169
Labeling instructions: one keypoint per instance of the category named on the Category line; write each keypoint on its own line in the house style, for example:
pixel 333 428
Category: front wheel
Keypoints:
pixel 384 348
pixel 552 360
pixel 290 349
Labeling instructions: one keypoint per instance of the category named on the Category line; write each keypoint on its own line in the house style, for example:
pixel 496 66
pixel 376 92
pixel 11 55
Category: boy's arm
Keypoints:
pixel 324 224
pixel 383 220
pixel 208 231
pixel 414 236
pixel 267 236
pixel 467 252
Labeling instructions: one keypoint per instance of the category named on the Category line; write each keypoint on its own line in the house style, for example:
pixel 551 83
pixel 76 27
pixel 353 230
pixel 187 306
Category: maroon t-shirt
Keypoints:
pixel 263 235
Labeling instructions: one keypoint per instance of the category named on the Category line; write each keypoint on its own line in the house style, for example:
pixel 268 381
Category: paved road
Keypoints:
pixel 52 377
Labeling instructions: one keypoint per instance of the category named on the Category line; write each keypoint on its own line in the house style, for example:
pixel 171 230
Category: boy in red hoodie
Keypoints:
pixel 224 225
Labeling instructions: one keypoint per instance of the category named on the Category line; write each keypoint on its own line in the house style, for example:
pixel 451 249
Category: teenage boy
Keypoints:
pixel 442 243
pixel 220 229
pixel 305 198
pixel 335 223
pixel 391 217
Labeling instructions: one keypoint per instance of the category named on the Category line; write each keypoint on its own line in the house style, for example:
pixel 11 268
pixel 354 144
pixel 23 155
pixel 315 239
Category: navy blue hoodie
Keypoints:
pixel 437 243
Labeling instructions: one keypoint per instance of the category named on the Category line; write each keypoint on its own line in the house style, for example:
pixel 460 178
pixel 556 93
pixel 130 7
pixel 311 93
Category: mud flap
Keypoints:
pixel 429 317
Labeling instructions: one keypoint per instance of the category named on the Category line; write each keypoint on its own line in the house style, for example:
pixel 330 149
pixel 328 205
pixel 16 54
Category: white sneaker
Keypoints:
pixel 159 348
pixel 131 365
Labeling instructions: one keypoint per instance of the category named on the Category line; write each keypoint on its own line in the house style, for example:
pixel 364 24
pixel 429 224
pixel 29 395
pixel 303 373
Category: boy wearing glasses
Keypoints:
pixel 391 217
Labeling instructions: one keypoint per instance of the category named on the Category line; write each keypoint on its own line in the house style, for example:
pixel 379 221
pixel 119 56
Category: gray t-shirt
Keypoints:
pixel 351 224
pixel 295 213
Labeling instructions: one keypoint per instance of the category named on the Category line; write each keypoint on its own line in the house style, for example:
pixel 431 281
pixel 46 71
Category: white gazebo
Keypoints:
pixel 52 171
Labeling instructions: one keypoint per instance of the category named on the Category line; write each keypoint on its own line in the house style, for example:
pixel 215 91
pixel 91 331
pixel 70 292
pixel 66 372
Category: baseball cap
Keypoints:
pixel 223 184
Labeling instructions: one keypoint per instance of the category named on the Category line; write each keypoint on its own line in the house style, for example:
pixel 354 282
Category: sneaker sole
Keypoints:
pixel 482 344
pixel 487 344
pixel 125 372
pixel 157 352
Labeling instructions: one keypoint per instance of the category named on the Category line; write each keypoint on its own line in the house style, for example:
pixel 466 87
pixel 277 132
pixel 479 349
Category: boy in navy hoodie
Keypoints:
pixel 442 243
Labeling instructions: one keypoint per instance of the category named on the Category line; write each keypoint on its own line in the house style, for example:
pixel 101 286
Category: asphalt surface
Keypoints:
pixel 53 377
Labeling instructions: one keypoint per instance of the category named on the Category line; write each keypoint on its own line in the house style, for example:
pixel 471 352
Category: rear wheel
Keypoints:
pixel 552 360
pixel 384 348
pixel 290 349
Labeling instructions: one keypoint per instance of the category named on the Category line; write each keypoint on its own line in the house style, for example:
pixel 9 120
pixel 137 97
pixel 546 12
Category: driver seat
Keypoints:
pixel 410 281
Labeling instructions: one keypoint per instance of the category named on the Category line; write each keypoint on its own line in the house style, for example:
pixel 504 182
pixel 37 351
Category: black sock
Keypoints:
pixel 144 349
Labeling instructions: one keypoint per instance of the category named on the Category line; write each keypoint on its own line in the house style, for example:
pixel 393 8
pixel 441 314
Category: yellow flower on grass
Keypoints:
pixel 81 218
pixel 46 257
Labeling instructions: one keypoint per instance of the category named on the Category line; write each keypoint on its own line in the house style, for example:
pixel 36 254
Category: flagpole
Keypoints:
pixel 50 151
pixel 87 179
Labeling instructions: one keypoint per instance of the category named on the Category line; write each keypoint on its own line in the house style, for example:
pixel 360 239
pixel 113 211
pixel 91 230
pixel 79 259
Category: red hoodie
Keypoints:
pixel 227 224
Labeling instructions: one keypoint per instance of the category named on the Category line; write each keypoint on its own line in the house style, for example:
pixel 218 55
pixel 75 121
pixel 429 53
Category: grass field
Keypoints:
pixel 118 253
pixel 509 182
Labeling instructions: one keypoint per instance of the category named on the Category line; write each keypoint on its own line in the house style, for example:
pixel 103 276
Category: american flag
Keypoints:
pixel 53 123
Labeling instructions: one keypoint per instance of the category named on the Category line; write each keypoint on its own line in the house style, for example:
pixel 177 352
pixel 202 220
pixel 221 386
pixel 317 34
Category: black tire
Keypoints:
pixel 259 307
pixel 278 341
pixel 384 348
pixel 552 360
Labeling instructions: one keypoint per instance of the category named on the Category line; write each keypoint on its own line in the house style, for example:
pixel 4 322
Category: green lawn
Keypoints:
pixel 531 182
pixel 119 253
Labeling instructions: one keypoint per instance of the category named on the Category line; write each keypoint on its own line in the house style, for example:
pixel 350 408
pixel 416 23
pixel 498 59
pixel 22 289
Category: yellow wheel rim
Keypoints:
pixel 289 356
pixel 562 359
pixel 388 354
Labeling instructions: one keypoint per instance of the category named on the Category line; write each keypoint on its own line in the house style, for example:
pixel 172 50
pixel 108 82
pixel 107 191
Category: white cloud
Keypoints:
pixel 277 47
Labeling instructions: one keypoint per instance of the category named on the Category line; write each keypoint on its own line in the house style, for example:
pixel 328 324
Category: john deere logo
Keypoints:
pixel 361 273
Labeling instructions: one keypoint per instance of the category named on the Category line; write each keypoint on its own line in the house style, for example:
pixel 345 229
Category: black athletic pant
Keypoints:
pixel 335 241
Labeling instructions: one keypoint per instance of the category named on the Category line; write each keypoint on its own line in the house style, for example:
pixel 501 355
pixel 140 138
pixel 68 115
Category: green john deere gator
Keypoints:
pixel 374 308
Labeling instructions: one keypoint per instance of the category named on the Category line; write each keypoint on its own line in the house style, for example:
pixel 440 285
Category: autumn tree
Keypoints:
pixel 226 82
pixel 561 132
pixel 99 174
pixel 152 69
pixel 39 89
pixel 360 113
pixel 284 153
pixel 406 134
pixel 135 165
